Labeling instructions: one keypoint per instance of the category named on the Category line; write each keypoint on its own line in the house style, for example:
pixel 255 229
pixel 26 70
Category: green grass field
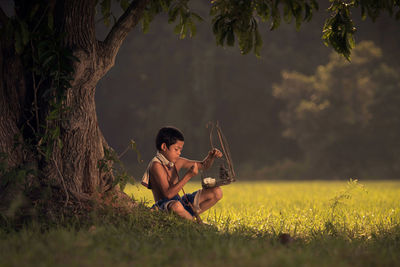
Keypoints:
pixel 330 224
pixel 302 209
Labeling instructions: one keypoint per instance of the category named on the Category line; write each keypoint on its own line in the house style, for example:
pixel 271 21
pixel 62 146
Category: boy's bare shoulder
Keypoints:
pixel 157 169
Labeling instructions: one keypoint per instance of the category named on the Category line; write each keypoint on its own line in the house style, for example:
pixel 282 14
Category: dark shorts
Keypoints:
pixel 163 204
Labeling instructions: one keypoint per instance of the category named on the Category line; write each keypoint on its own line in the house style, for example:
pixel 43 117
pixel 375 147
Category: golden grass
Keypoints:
pixel 301 208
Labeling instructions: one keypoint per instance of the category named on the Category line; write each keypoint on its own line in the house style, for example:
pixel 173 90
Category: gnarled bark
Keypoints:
pixel 72 168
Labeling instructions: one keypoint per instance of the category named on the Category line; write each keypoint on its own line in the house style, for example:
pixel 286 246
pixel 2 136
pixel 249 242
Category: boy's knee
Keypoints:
pixel 176 206
pixel 218 193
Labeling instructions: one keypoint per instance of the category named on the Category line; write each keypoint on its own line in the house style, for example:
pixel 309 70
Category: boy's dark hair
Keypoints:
pixel 168 135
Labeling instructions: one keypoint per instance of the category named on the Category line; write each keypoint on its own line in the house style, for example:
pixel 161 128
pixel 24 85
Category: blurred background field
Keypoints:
pixel 301 208
pixel 298 112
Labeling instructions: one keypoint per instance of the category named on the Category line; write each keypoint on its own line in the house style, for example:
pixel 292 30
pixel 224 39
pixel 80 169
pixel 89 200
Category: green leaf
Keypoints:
pixel 164 5
pixel 124 4
pixel 276 19
pixel 50 21
pixel 145 22
pixel 106 11
pixel 33 11
pixel 59 143
pixel 183 32
pixel 298 21
pixel 216 24
pixel 314 4
pixel 134 148
pixel 24 32
pixel 48 60
pixel 197 16
pixel 363 13
pixel 263 11
pixel 221 37
pixel 18 42
pixel 178 28
pixel 308 13
pixel 173 13
pixel 287 14
pixel 350 40
pixel 230 37
pixel 258 42
pixel 193 29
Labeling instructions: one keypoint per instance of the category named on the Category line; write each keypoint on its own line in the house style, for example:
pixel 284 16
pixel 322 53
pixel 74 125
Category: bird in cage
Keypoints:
pixel 225 173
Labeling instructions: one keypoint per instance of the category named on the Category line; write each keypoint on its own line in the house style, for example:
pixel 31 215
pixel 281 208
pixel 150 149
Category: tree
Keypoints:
pixel 51 61
pixel 342 125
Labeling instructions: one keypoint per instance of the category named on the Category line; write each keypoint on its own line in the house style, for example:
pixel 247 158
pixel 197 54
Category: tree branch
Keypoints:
pixel 120 30
pixel 3 17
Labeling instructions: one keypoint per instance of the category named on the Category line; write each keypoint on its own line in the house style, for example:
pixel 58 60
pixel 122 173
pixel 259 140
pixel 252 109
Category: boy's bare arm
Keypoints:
pixel 160 179
pixel 209 159
pixel 203 165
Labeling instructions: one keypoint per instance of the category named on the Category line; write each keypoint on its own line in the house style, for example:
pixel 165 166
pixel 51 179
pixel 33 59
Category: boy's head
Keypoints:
pixel 169 136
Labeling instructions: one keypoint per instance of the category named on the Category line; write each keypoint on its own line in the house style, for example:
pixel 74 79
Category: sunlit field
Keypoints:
pixel 324 224
pixel 302 209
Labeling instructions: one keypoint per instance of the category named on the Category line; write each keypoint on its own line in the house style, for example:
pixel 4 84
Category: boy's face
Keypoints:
pixel 173 152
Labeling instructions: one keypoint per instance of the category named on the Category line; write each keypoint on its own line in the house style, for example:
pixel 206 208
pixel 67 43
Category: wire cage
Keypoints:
pixel 221 172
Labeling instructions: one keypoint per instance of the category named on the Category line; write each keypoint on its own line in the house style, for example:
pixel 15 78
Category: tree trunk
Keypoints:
pixel 72 169
pixel 75 165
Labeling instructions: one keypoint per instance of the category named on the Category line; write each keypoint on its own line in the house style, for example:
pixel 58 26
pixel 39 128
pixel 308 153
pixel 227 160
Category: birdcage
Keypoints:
pixel 221 172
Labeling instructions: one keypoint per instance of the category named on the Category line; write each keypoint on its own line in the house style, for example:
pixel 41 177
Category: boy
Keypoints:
pixel 162 176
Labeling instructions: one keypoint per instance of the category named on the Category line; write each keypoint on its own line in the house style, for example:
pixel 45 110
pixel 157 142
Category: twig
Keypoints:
pixel 28 122
pixel 123 152
pixel 35 101
pixel 40 20
pixel 63 183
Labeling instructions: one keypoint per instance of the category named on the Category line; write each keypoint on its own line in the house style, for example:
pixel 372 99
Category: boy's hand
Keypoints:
pixel 194 170
pixel 209 160
pixel 215 153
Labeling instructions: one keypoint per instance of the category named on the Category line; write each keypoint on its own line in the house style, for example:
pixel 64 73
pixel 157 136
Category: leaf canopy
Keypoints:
pixel 238 20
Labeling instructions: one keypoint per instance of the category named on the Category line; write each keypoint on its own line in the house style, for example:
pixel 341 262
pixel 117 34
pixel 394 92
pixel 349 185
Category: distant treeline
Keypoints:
pixel 298 112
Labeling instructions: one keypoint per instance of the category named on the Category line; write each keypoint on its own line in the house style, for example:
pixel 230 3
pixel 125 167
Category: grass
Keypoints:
pixel 302 208
pixel 330 223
